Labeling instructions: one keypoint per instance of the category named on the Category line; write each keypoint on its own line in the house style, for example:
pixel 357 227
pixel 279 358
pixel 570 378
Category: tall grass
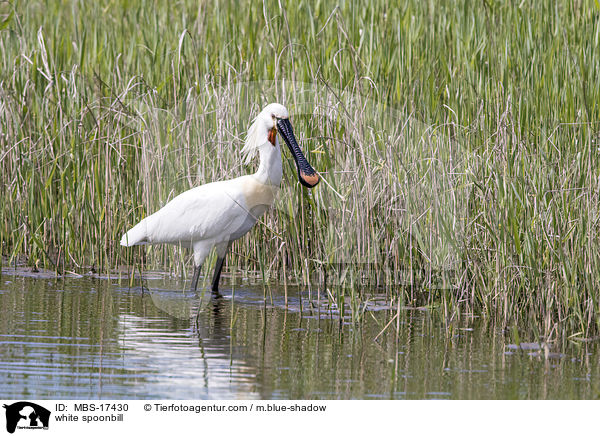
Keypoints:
pixel 451 134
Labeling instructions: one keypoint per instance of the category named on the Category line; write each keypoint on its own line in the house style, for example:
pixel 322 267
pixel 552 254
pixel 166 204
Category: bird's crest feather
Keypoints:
pixel 253 139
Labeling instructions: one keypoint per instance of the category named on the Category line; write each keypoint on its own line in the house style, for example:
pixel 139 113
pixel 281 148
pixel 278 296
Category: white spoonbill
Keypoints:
pixel 218 213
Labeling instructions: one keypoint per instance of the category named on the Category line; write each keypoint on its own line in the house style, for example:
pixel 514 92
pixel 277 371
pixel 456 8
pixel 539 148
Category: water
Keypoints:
pixel 86 338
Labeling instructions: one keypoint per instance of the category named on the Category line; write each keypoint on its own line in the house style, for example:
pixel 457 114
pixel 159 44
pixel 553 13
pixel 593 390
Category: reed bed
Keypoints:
pixel 459 142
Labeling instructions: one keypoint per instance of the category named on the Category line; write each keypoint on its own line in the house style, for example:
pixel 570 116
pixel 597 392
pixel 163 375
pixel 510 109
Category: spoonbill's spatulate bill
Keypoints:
pixel 218 213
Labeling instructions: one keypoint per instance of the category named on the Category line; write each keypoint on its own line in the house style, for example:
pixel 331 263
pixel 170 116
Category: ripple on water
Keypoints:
pixel 95 338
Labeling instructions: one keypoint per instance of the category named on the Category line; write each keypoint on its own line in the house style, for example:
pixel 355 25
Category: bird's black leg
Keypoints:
pixel 195 278
pixel 217 275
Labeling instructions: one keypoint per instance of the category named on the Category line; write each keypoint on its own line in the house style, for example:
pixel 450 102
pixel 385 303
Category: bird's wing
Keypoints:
pixel 209 211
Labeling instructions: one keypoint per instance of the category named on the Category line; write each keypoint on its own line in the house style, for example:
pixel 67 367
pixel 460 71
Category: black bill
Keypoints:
pixel 306 174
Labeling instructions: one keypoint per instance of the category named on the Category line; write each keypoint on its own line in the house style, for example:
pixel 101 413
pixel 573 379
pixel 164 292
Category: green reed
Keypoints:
pixel 465 135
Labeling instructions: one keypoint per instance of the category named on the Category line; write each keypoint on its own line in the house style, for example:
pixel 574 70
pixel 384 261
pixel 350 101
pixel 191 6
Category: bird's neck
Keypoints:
pixel 270 169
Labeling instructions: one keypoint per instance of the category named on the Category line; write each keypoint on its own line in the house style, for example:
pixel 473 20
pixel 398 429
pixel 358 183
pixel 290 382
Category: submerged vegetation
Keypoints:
pixel 458 142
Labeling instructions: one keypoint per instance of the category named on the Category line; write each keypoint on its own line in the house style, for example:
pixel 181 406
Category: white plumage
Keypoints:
pixel 216 214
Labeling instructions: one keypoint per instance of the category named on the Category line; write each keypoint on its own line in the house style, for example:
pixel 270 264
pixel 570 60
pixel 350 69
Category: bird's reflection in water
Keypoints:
pixel 193 353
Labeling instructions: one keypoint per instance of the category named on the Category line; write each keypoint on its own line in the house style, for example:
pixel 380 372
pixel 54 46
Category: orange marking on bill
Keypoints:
pixel 312 179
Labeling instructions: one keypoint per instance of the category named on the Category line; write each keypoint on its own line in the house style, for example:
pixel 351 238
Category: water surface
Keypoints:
pixel 91 338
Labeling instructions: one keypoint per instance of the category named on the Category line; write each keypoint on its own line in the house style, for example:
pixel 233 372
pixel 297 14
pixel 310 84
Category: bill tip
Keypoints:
pixel 309 180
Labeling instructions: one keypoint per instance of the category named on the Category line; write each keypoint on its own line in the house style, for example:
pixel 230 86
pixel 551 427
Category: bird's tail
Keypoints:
pixel 136 236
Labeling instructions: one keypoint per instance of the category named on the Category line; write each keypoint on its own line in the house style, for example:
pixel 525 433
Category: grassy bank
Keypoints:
pixel 459 142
